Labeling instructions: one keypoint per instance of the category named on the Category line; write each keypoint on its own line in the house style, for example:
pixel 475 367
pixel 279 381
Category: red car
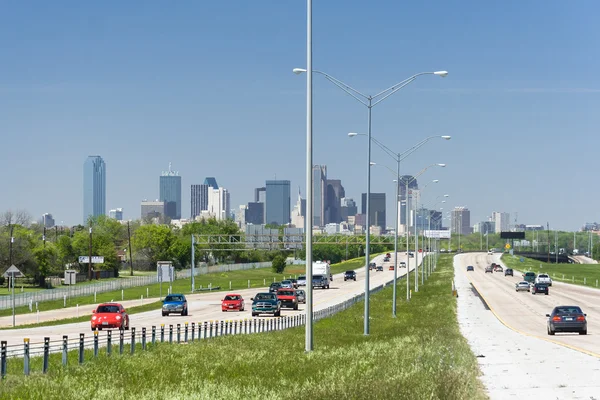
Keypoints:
pixel 232 302
pixel 288 298
pixel 110 315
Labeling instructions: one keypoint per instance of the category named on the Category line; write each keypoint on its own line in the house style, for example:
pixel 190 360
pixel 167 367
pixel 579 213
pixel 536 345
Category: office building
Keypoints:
pixel 348 208
pixel 461 221
pixel 116 213
pixel 335 193
pixel 377 209
pixel 218 203
pixel 47 220
pixel 255 213
pixel 94 188
pixel 319 194
pixel 277 206
pixel 152 209
pixel 299 212
pixel 170 193
pixel 501 221
pixel 436 220
pixel 412 184
pixel 199 196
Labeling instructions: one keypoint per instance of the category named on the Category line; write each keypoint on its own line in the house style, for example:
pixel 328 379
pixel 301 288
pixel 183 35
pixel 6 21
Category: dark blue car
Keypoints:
pixel 175 304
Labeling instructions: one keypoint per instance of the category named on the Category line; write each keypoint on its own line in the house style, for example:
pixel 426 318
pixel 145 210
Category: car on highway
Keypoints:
pixel 498 268
pixel 567 319
pixel 391 267
pixel 489 269
pixel 402 264
pixel 470 268
pixel 109 315
pixel 544 278
pixel 294 282
pixel 288 284
pixel 529 277
pixel 522 286
pixel 508 271
pixel 301 281
pixel 386 259
pixel 266 303
pixel 372 265
pixel 379 268
pixel 490 253
pixel 274 287
pixel 232 301
pixel 411 255
pixel 320 281
pixel 349 275
pixel 539 288
pixel 287 298
pixel 301 295
pixel 175 304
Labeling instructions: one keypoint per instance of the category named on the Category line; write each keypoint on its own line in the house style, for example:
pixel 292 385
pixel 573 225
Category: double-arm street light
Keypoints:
pixel 417 240
pixel 368 101
pixel 398 157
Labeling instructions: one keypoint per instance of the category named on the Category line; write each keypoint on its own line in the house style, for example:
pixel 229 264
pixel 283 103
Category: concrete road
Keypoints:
pixel 207 306
pixel 526 313
pixel 517 366
pixel 585 260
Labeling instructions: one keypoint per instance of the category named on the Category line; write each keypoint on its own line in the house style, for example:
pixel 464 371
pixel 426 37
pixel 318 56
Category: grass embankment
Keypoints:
pixel 579 274
pixel 418 355
pixel 239 280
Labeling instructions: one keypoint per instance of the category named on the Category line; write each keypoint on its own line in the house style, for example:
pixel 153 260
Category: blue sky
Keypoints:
pixel 208 86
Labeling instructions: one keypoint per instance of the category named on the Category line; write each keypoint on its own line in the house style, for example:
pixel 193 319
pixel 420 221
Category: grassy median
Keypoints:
pixel 418 355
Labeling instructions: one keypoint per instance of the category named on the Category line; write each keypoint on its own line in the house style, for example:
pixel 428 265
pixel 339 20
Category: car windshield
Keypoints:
pixel 300 292
pixel 317 276
pixel 174 298
pixel 107 309
pixel 568 310
pixel 524 283
pixel 349 272
pixel 530 274
pixel 275 284
pixel 301 278
pixel 286 292
pixel 286 282
pixel 233 297
pixel 264 296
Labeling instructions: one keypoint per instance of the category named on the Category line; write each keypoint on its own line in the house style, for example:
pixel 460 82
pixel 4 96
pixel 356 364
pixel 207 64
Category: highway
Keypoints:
pixel 526 313
pixel 207 307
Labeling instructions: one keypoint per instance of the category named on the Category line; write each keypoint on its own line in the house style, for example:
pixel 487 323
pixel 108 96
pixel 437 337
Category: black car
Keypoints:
pixel 379 268
pixel 275 286
pixel 470 268
pixel 508 271
pixel 539 288
pixel 371 266
pixel 567 319
pixel 349 275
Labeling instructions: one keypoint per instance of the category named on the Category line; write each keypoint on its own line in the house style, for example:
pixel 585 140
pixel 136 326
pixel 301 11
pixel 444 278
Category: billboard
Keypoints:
pixel 512 235
pixel 437 234
pixel 165 271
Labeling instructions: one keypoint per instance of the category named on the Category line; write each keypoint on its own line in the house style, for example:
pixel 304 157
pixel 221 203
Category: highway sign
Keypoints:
pixel 507 246
pixel 95 259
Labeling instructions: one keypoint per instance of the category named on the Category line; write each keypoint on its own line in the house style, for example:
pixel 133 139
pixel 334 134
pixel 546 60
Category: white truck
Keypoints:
pixel 321 274
pixel 544 278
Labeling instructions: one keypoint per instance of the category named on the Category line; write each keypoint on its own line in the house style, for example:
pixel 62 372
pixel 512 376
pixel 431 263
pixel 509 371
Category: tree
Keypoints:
pixel 279 263
pixel 153 243
pixel 45 257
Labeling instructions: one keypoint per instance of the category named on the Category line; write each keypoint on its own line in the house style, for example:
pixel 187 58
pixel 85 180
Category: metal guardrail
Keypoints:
pixel 142 339
pixel 31 298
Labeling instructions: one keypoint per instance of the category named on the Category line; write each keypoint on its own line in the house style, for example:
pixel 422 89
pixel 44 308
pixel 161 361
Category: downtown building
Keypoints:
pixel 199 196
pixel 299 212
pixel 94 188
pixel 170 193
pixel 47 221
pixel 116 213
pixel 151 210
pixel 377 209
pixel 460 221
pixel 277 205
pixel 218 204
pixel 501 221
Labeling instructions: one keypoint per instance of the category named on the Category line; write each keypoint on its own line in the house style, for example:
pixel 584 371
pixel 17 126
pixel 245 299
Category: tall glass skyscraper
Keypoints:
pixel 170 193
pixel 277 205
pixel 94 188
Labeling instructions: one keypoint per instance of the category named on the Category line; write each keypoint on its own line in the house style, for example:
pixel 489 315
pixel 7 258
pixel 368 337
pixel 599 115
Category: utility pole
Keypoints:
pixel 12 240
pixel 90 259
pixel 44 237
pixel 130 257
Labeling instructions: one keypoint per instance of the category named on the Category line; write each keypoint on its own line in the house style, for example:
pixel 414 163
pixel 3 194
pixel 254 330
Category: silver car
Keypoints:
pixel 522 286
pixel 301 295
pixel 287 284
pixel 302 280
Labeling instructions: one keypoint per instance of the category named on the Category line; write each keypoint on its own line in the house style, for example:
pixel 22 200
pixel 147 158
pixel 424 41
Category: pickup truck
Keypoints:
pixel 529 277
pixel 544 279
pixel 288 298
pixel 266 303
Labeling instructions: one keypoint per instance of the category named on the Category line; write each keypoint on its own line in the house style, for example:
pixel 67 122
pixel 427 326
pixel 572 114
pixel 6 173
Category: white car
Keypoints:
pixel 522 286
pixel 490 252
pixel 301 281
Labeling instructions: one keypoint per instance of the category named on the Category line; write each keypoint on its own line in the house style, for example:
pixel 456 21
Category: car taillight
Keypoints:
pixel 557 318
pixel 581 318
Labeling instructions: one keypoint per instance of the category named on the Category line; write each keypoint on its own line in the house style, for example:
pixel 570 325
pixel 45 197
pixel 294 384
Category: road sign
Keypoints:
pixel 507 246
pixel 95 259
pixel 13 271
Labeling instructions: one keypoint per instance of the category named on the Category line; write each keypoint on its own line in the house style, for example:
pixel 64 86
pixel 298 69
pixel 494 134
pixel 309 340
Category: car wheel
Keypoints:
pixel 551 332
pixel 127 326
pixel 242 309
pixel 583 332
pixel 254 314
pixel 296 307
pixel 164 314
pixel 278 313
pixel 327 287
pixel 223 310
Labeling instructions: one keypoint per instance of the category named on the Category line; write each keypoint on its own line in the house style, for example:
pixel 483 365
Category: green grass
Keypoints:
pixel 239 280
pixel 156 305
pixel 418 355
pixel 573 273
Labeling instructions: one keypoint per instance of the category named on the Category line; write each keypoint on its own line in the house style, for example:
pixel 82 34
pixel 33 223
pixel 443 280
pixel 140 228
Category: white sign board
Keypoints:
pixel 437 234
pixel 70 277
pixel 165 271
pixel 95 259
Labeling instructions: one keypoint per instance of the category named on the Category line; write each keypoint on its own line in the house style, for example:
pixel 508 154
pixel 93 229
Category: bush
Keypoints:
pixel 278 264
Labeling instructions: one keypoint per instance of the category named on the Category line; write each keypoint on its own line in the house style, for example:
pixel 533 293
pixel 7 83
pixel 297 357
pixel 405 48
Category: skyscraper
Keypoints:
pixel 377 208
pixel 170 193
pixel 47 220
pixel 501 221
pixel 94 188
pixel 277 207
pixel 199 196
pixel 461 220
pixel 299 212
pixel 348 208
pixel 412 185
pixel 335 193
pixel 255 213
pixel 116 213
pixel 219 203
pixel 319 194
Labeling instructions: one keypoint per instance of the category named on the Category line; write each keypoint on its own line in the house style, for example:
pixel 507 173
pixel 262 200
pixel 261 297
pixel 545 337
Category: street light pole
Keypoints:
pixel 90 259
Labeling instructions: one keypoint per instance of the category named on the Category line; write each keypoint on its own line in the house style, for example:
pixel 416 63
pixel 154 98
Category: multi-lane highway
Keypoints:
pixel 525 312
pixel 207 306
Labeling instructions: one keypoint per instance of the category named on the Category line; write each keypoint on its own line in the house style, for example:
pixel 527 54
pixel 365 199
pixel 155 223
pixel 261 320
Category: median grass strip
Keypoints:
pixel 156 305
pixel 258 277
pixel 579 274
pixel 418 355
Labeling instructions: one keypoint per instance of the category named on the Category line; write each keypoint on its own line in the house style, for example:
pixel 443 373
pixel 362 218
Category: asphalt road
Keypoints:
pixel 526 313
pixel 207 307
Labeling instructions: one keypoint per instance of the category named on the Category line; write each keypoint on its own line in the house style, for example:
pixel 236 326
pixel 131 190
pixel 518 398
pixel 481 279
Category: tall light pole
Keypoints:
pixel 417 240
pixel 398 157
pixel 368 101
